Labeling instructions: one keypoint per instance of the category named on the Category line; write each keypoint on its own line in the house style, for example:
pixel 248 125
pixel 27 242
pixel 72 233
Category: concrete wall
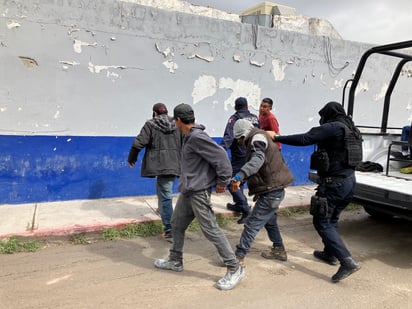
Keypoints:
pixel 79 79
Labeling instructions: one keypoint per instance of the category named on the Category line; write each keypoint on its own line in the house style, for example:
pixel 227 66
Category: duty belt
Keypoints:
pixel 332 179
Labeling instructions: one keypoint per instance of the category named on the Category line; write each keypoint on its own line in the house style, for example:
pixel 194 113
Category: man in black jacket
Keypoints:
pixel 336 184
pixel 163 144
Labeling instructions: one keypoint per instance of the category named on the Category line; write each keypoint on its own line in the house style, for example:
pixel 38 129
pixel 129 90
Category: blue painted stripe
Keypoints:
pixel 57 168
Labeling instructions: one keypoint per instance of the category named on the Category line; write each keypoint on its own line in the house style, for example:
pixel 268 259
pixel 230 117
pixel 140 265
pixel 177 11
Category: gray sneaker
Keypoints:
pixel 168 264
pixel 231 279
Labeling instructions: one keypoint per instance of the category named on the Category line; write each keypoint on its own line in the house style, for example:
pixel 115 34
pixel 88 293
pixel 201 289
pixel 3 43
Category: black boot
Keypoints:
pixel 348 267
pixel 328 259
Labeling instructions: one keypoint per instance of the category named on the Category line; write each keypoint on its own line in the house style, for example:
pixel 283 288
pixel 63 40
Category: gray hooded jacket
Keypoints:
pixel 163 143
pixel 204 163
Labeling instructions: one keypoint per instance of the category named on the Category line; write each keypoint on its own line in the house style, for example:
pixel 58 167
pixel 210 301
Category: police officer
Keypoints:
pixel 336 184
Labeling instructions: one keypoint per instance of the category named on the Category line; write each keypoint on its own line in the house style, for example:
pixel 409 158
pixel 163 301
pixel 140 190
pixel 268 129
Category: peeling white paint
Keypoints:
pixel 112 75
pixel 256 63
pixel 236 58
pixel 70 31
pixel 171 66
pixel 165 52
pixel 205 86
pixel 206 58
pixel 98 68
pixel 381 94
pixel 278 69
pixel 72 63
pixel 240 88
pixel 13 24
pixel 77 45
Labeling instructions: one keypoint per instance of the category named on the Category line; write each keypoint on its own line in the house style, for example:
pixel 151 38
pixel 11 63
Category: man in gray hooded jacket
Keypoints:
pixel 204 165
pixel 163 144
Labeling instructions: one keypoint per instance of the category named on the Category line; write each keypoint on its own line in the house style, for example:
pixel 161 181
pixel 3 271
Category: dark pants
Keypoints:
pixel 339 193
pixel 406 133
pixel 238 196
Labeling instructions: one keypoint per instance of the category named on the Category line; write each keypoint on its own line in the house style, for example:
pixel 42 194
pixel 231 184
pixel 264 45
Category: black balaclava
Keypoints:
pixel 333 111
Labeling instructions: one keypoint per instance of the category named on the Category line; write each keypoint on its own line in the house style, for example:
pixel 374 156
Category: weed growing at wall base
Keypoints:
pixel 154 228
pixel 13 245
pixel 133 230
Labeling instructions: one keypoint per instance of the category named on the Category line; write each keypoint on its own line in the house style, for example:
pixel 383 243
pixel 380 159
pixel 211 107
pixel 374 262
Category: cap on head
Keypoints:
pixel 240 102
pixel 241 128
pixel 183 111
pixel 160 108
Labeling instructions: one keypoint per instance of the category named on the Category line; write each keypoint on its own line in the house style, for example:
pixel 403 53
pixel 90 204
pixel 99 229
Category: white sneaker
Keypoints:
pixel 231 279
pixel 169 264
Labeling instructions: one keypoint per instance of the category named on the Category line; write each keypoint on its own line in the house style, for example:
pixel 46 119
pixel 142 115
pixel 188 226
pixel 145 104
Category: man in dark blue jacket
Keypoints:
pixel 238 154
pixel 336 184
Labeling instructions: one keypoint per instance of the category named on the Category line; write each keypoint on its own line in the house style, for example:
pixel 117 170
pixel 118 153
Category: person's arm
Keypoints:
pixel 258 147
pixel 217 157
pixel 228 138
pixel 313 136
pixel 140 141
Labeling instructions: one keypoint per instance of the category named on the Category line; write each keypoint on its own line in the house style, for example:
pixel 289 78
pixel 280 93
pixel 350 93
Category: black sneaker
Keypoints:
pixel 243 218
pixel 167 236
pixel 233 207
pixel 321 255
pixel 347 268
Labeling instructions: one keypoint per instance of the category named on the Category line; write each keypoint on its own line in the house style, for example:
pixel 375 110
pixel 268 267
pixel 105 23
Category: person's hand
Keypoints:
pixel 272 134
pixel 131 165
pixel 234 185
pixel 220 189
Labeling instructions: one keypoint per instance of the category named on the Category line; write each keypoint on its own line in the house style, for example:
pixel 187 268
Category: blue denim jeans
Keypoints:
pixel 339 194
pixel 238 196
pixel 406 132
pixel 164 191
pixel 198 205
pixel 240 199
pixel 264 214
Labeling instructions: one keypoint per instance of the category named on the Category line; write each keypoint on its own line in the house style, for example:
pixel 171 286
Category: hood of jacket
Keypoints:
pixel 164 123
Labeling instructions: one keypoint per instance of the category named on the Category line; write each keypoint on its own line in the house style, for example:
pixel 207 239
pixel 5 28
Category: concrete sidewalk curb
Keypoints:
pixel 67 218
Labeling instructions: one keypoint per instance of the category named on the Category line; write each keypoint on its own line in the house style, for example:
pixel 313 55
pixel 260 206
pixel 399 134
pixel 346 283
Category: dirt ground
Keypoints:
pixel 120 274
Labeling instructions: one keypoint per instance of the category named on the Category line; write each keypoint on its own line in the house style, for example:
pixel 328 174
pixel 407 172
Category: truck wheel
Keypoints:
pixel 377 214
